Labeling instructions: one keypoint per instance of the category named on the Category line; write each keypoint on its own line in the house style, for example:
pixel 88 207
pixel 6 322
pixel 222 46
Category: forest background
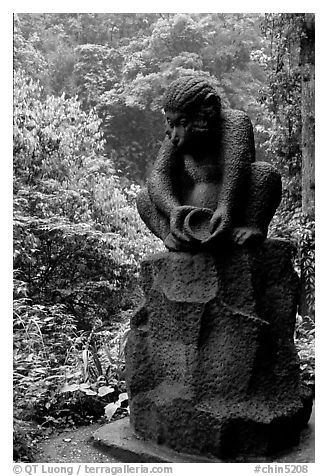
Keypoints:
pixel 87 128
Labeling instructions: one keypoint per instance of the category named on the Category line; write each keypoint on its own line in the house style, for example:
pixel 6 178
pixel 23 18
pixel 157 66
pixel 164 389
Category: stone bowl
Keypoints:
pixel 197 224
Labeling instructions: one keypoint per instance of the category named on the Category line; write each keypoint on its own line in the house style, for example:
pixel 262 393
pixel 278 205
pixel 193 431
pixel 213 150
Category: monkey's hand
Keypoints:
pixel 177 218
pixel 220 224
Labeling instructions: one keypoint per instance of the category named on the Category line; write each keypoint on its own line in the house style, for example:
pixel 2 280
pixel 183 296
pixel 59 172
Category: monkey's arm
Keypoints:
pixel 237 152
pixel 161 181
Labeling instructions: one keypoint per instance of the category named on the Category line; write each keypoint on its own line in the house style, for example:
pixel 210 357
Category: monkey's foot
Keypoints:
pixel 247 236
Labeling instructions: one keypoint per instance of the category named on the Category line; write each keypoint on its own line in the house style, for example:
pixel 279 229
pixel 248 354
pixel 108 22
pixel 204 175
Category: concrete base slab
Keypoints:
pixel 118 440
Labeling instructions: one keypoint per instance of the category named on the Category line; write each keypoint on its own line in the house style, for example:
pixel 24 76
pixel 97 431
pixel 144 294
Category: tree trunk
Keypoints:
pixel 307 68
pixel 307 54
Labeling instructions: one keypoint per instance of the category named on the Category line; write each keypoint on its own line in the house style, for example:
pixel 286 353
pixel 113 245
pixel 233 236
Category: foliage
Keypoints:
pixel 71 217
pixel 26 438
pixel 102 372
pixel 179 44
pixel 27 55
pixel 46 45
pixel 96 70
pixel 121 63
pixel 52 137
pixel 78 242
pixel 61 376
pixel 305 344
pixel 46 339
pixel 280 98
pixel 292 224
pixel 281 138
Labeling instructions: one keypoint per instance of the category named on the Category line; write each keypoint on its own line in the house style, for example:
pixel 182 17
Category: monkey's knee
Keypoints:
pixel 266 183
pixel 144 204
pixel 264 196
pixel 151 216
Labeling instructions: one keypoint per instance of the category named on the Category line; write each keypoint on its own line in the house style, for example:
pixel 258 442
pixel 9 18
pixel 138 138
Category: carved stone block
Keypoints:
pixel 211 365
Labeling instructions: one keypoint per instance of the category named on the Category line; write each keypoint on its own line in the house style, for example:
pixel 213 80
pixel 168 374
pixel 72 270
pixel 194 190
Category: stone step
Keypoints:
pixel 117 440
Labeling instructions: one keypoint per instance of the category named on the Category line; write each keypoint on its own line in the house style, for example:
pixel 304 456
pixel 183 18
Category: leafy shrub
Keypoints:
pixel 26 437
pixel 102 372
pixel 292 224
pixel 305 344
pixel 45 346
pixel 78 241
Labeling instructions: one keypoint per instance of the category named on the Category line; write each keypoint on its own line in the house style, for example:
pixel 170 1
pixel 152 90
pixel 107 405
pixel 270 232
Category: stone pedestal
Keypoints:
pixel 211 365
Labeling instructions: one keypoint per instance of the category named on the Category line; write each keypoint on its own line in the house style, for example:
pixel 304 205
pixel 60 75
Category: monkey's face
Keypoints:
pixel 178 129
pixel 187 132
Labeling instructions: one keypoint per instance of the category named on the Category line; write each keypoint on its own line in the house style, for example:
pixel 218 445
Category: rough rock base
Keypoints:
pixel 211 365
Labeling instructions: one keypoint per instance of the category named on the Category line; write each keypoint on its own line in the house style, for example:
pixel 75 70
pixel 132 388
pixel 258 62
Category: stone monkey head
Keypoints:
pixel 192 108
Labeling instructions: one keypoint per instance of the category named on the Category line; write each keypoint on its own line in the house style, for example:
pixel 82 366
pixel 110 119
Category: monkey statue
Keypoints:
pixel 206 188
